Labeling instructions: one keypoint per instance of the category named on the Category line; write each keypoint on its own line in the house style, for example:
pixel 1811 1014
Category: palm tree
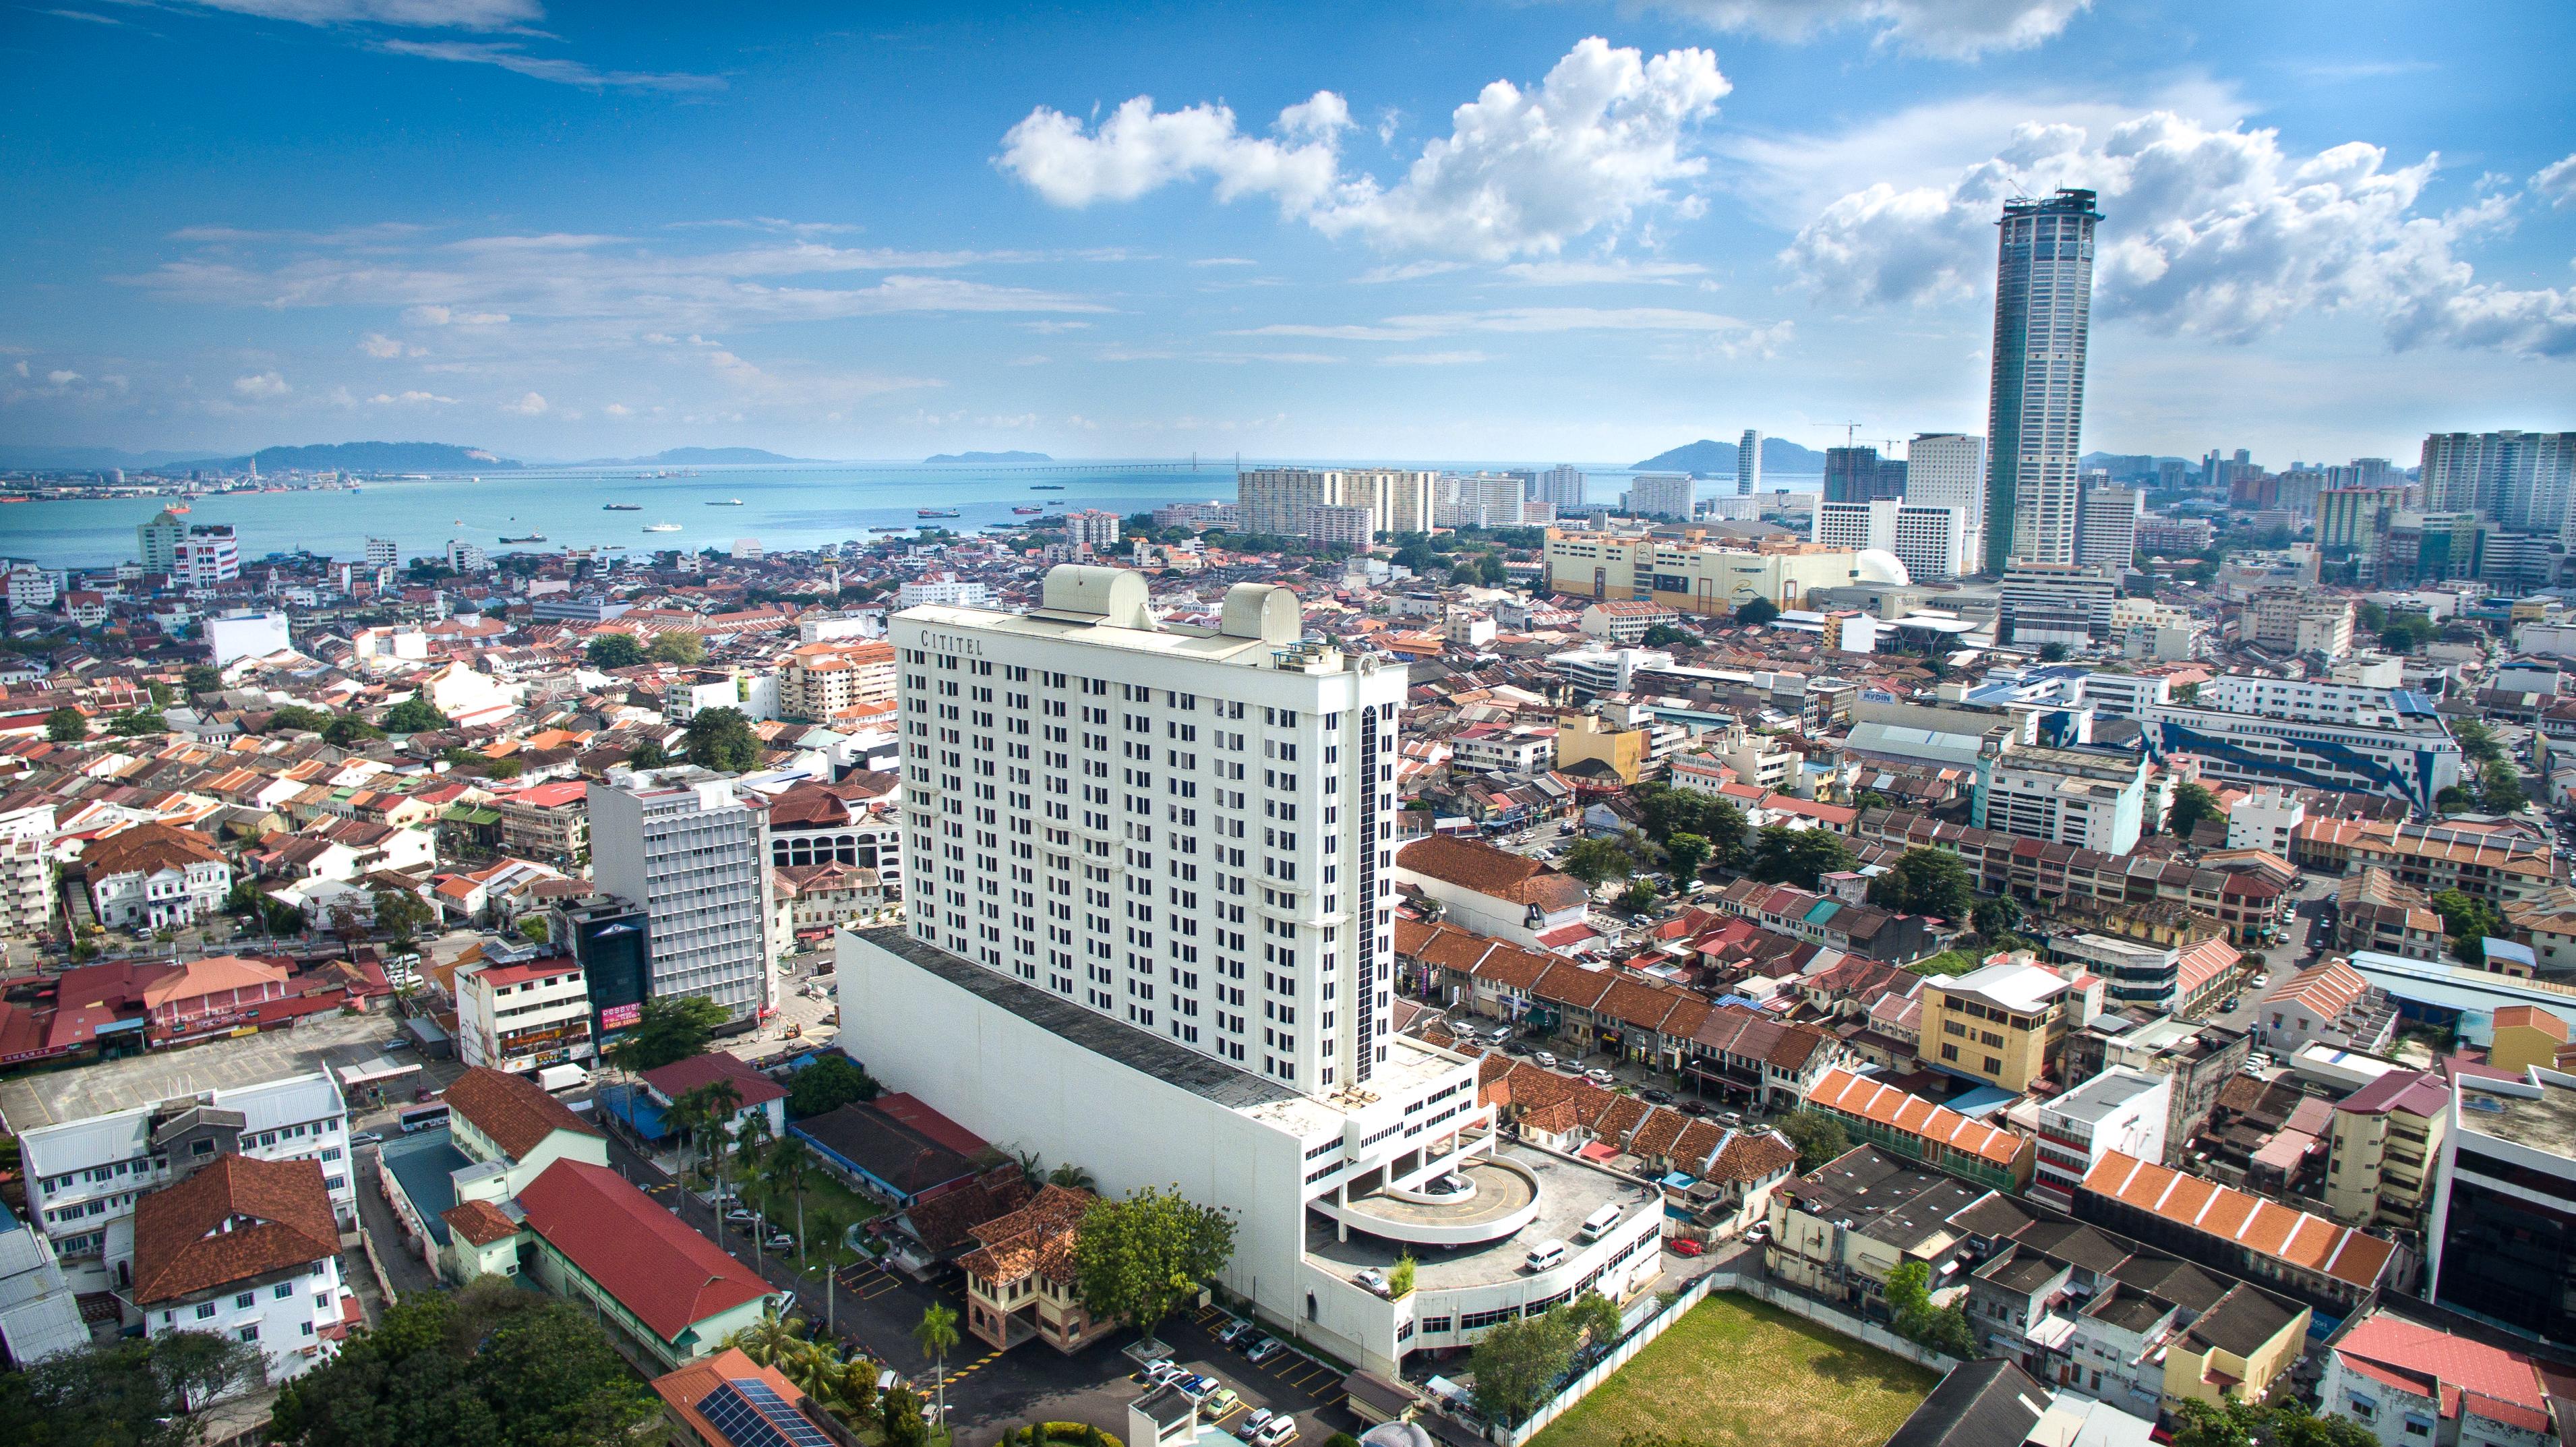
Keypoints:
pixel 784 1171
pixel 1031 1166
pixel 936 1334
pixel 1071 1177
pixel 719 1099
pixel 687 1116
pixel 750 1144
pixel 769 1340
pixel 829 1225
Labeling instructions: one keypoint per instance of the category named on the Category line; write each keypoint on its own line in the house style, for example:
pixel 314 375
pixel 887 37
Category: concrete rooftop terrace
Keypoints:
pixel 1567 1192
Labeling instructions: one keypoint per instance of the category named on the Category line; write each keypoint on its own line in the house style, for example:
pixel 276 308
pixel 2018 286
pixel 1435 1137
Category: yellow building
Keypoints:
pixel 1586 736
pixel 2236 1351
pixel 1696 576
pixel 2386 1137
pixel 2525 1036
pixel 2002 1024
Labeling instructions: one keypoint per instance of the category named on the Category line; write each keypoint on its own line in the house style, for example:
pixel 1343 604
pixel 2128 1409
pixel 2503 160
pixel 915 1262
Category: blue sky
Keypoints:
pixel 1463 229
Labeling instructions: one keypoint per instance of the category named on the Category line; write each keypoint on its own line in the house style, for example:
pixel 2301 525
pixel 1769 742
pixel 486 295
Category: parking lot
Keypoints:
pixel 1289 1384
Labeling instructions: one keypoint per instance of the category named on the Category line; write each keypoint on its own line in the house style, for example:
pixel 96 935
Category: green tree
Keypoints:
pixel 613 650
pixel 1818 1136
pixel 534 929
pixel 2468 920
pixel 1638 897
pixel 671 1027
pixel 1760 610
pixel 487 1365
pixel 415 715
pixel 504 770
pixel 2287 1423
pixel 785 1171
pixel 2053 652
pixel 2478 742
pixel 1685 853
pixel 1140 1258
pixel 2500 788
pixel 1926 881
pixel 296 718
pixel 900 1412
pixel 1665 635
pixel 1596 860
pixel 1518 1363
pixel 2406 633
pixel 2455 800
pixel 721 739
pixel 134 723
pixel 202 678
pixel 66 726
pixel 1943 1329
pixel 1399 1277
pixel 2191 805
pixel 677 648
pixel 1997 917
pixel 1782 855
pixel 402 914
pixel 346 732
pixel 649 755
pixel 832 1081
pixel 936 1335
pixel 131 1393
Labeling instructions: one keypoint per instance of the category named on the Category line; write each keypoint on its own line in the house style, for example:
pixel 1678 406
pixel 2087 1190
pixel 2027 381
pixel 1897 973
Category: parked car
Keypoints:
pixel 1758 1231
pixel 366 1138
pixel 1236 1333
pixel 1277 1432
pixel 1653 1096
pixel 739 1216
pixel 1684 1246
pixel 1693 1107
pixel 1164 1374
pixel 779 1241
pixel 1516 1047
pixel 1264 1349
pixel 1259 1418
pixel 1546 1059
pixel 1196 1385
pixel 1219 1402
pixel 1600 1077
pixel 1371 1278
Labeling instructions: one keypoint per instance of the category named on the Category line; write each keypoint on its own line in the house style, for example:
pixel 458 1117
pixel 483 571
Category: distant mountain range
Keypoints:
pixel 990 457
pixel 1717 459
pixel 364 457
pixel 49 459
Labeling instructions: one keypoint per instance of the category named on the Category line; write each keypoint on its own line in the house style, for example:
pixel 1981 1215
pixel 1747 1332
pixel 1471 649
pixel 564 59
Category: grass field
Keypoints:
pixel 1737 1373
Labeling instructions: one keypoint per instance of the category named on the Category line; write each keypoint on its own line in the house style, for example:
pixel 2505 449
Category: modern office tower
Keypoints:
pixel 2522 481
pixel 2106 524
pixel 1275 499
pixel 693 851
pixel 1748 464
pixel 156 541
pixel 1560 487
pixel 2431 547
pixel 1948 469
pixel 1859 474
pixel 383 553
pixel 1070 774
pixel 2043 311
pixel 1663 495
pixel 1932 542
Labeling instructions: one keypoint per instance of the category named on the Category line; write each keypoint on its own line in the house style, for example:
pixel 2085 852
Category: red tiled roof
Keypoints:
pixel 2430 1362
pixel 2292 1237
pixel 1886 1105
pixel 668 1275
pixel 480 1222
pixel 279 1216
pixel 513 1112
pixel 706 1068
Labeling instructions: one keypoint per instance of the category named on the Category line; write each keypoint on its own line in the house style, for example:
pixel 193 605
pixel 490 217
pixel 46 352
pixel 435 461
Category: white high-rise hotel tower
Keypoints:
pixel 2043 310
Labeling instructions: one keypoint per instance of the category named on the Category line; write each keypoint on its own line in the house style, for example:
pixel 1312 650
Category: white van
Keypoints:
pixel 1598 1224
pixel 1547 1255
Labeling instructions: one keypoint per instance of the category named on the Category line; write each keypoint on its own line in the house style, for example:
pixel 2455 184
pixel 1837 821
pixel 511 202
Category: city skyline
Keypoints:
pixel 1542 232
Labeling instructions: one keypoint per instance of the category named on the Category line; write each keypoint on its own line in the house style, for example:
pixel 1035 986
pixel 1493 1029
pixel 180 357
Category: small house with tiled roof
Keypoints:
pixel 1495 892
pixel 667 1291
pixel 1020 1280
pixel 247 1249
pixel 514 1130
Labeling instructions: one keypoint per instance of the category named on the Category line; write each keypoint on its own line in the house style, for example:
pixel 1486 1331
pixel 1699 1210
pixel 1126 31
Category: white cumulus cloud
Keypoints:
pixel 441 316
pixel 1521 172
pixel 416 14
pixel 407 399
pixel 1956 29
pixel 530 405
pixel 2216 232
pixel 2557 181
pixel 262 386
pixel 377 344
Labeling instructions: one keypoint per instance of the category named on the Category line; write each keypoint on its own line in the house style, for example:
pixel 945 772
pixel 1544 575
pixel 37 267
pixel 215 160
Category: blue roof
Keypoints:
pixel 2410 702
pixel 422 1164
pixel 1983 1101
pixel 637 1108
pixel 2507 950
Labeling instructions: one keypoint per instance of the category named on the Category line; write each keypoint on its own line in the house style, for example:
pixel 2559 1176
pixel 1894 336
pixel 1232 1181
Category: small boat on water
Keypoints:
pixel 889 530
pixel 728 502
pixel 1046 487
pixel 1025 511
pixel 530 538
pixel 661 527
pixel 935 512
pixel 621 507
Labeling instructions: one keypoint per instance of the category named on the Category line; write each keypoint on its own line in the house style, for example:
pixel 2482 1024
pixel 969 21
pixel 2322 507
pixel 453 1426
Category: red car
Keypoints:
pixel 1684 1246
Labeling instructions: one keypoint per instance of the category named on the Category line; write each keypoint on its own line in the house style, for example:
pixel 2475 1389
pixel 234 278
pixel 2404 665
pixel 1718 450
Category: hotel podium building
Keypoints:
pixel 1151 934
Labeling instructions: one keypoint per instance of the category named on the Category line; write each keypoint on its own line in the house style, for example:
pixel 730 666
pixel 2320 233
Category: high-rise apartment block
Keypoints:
pixel 1748 464
pixel 465 557
pixel 1932 542
pixel 156 541
pixel 2523 481
pixel 1561 487
pixel 383 553
pixel 1093 528
pixel 693 849
pixel 1948 469
pixel 1476 500
pixel 1279 501
pixel 1663 495
pixel 2043 313
pixel 2106 524
pixel 1859 474
pixel 1182 832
